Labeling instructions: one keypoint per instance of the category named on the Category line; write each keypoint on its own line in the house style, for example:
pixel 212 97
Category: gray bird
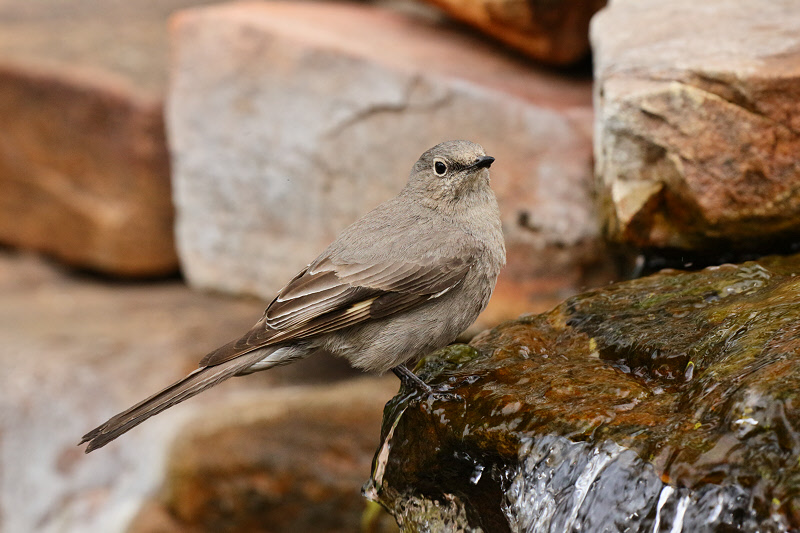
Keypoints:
pixel 402 281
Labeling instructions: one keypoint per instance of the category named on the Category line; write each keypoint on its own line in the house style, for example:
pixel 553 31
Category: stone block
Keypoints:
pixel 84 171
pixel 697 122
pixel 287 460
pixel 84 166
pixel 288 121
pixel 552 32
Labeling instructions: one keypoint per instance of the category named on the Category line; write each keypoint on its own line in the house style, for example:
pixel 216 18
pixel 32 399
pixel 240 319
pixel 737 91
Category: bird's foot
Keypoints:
pixel 411 381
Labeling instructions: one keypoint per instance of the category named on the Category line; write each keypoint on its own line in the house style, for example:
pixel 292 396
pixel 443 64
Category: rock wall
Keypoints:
pixel 285 122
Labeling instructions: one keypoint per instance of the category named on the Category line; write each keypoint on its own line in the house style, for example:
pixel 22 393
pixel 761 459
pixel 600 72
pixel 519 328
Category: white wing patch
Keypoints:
pixel 440 293
pixel 360 306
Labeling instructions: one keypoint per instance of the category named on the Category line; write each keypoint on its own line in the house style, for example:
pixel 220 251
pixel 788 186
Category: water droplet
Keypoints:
pixel 476 474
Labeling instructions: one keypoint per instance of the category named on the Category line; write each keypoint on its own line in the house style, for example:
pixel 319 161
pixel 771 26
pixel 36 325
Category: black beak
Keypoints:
pixel 483 162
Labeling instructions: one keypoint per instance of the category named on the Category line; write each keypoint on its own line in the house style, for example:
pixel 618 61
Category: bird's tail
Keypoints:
pixel 195 383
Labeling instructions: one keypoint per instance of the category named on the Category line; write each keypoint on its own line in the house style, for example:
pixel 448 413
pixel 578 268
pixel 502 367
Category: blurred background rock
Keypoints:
pixel 165 166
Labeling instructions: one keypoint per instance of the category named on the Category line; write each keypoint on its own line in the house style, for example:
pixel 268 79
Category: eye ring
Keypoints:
pixel 439 167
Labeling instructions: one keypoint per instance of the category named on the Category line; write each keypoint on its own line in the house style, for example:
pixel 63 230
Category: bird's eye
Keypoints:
pixel 440 168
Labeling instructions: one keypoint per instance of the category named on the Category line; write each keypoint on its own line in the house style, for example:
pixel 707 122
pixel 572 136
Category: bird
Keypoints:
pixel 402 281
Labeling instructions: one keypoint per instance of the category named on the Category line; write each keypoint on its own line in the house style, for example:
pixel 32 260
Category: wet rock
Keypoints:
pixel 84 168
pixel 697 122
pixel 667 403
pixel 291 120
pixel 287 460
pixel 552 32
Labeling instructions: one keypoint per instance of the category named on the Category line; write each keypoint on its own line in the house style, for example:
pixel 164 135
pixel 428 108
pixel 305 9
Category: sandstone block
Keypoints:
pixel 84 172
pixel 290 120
pixel 287 460
pixel 697 122
pixel 552 32
pixel 84 168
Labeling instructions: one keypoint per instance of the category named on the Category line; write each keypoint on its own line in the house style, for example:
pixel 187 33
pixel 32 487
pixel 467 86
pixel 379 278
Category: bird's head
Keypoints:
pixel 450 171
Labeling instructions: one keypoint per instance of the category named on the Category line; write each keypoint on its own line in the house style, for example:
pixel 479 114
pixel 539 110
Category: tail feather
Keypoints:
pixel 195 383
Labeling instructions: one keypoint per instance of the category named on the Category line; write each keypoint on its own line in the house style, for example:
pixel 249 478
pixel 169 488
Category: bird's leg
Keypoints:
pixel 410 379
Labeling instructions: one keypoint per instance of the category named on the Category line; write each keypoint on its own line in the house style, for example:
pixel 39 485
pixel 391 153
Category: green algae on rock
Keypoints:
pixel 666 403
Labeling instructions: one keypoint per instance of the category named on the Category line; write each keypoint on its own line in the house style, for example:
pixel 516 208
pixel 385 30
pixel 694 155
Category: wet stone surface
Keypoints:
pixel 667 403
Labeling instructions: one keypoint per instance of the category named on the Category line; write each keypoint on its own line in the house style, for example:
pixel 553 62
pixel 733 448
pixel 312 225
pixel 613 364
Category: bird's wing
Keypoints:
pixel 327 296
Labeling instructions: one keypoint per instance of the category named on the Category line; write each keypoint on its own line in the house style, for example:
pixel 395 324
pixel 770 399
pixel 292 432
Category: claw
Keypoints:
pixel 411 381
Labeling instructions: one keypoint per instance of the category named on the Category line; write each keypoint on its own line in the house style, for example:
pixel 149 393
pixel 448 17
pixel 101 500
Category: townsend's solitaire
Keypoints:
pixel 402 281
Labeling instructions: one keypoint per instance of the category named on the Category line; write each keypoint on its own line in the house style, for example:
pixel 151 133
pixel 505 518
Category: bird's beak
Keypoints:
pixel 483 162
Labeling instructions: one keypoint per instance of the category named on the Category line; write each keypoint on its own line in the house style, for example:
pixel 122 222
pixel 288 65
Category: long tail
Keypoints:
pixel 195 383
